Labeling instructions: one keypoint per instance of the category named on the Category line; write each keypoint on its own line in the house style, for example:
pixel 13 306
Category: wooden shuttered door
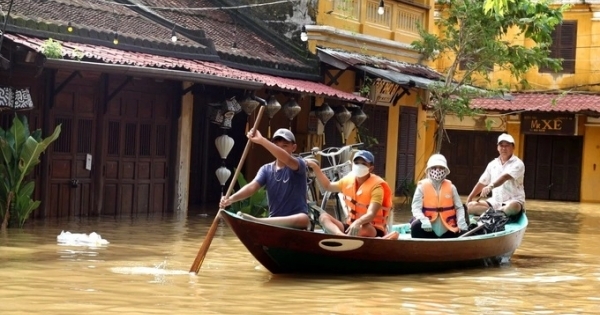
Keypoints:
pixel 564 46
pixel 376 126
pixel 553 167
pixel 468 153
pixel 70 185
pixel 407 146
pixel 137 131
pixel 137 145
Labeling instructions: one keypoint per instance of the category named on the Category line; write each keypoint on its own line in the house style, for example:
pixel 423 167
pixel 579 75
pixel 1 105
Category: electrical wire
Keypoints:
pixel 192 9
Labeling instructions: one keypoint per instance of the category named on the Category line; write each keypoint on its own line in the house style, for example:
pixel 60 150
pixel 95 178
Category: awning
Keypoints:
pixel 402 73
pixel 148 65
pixel 399 78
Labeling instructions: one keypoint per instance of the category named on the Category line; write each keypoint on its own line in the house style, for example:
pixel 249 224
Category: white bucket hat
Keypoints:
pixel 438 160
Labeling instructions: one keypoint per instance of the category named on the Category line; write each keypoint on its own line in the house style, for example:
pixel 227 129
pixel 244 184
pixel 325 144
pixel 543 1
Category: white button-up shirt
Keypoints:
pixel 510 190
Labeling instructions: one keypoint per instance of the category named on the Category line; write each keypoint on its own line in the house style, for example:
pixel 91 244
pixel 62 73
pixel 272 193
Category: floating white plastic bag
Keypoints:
pixel 80 239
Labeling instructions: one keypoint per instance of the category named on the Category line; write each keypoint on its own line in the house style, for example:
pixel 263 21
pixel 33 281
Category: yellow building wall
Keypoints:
pixel 590 166
pixel 587 74
pixel 352 20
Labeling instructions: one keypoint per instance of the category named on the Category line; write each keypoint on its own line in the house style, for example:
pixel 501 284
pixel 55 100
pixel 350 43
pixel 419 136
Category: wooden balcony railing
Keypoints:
pixel 398 22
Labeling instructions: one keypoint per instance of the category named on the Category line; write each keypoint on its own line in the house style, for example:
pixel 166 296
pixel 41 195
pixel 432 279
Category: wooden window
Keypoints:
pixel 63 143
pixel 407 149
pixel 564 44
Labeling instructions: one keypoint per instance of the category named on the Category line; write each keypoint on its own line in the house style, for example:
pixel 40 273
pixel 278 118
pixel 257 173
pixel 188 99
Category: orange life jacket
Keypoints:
pixel 442 204
pixel 358 201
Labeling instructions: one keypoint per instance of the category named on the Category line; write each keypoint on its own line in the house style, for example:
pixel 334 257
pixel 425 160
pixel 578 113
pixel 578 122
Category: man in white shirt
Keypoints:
pixel 503 177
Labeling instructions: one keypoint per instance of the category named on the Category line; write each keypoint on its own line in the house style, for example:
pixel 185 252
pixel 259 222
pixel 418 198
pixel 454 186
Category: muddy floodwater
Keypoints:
pixel 144 270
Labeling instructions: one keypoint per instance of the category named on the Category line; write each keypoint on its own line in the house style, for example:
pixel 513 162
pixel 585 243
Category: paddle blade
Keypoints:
pixel 205 245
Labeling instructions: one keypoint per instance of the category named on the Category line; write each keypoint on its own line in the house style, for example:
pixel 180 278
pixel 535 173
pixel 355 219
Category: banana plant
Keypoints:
pixel 20 152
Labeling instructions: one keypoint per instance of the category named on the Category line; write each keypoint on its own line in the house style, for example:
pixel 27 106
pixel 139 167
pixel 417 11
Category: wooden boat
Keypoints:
pixel 283 250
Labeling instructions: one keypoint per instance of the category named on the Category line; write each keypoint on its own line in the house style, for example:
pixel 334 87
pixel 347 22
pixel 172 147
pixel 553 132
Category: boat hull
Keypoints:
pixel 284 250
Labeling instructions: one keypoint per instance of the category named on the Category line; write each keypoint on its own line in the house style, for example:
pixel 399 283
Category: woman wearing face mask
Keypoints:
pixel 436 206
pixel 368 197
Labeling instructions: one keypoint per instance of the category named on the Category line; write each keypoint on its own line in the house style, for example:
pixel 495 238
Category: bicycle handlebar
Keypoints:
pixel 317 151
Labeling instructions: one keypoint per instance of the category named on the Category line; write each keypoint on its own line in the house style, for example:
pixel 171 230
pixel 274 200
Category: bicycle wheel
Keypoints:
pixel 338 205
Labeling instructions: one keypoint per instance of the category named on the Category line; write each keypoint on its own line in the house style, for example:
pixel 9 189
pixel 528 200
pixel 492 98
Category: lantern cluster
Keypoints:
pixel 291 109
pixel 346 120
pixel 222 115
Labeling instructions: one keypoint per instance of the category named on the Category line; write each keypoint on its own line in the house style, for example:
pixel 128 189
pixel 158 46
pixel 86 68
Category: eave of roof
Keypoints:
pixel 128 62
pixel 543 102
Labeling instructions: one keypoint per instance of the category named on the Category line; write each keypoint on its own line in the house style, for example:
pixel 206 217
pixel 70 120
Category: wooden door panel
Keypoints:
pixel 127 197
pixel 543 169
pixel 110 199
pixel 553 167
pixel 60 200
pixel 111 170
pixel 137 140
pixel 60 169
pixel 158 197
pixel 407 144
pixel 143 198
pixel 71 185
pixel 128 171
pixel 83 198
pixel 159 170
pixel 529 159
pixel 143 172
pixel 377 126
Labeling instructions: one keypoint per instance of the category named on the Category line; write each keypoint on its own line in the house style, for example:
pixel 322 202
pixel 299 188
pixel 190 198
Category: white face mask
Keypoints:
pixel 437 174
pixel 360 170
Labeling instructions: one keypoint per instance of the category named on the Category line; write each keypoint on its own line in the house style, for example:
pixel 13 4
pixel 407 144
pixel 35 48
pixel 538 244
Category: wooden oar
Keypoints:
pixel 213 227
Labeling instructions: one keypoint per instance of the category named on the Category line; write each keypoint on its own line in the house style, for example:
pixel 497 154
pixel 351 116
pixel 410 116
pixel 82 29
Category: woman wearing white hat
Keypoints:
pixel 436 207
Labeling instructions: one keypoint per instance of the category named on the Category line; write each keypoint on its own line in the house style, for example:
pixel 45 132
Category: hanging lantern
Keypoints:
pixel 224 143
pixel 358 117
pixel 291 110
pixel 345 129
pixel 248 106
pixel 324 113
pixel 273 107
pixel 223 174
pixel 342 114
pixel 232 106
pixel 227 120
pixel 215 113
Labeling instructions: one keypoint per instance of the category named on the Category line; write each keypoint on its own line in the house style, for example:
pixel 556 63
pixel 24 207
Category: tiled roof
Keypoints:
pixel 223 29
pixel 356 59
pixel 94 15
pixel 545 102
pixel 116 56
pixel 204 33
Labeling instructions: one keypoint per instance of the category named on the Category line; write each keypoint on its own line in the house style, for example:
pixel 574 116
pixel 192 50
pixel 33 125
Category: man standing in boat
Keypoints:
pixel 504 178
pixel 284 179
pixel 436 206
pixel 368 197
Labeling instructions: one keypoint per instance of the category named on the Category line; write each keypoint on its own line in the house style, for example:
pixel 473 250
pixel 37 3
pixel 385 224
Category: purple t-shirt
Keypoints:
pixel 286 188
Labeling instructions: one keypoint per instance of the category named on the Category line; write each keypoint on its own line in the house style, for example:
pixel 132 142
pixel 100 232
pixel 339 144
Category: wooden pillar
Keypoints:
pixel 183 154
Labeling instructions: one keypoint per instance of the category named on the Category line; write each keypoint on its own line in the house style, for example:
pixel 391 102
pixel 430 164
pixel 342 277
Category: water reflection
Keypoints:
pixel 144 270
